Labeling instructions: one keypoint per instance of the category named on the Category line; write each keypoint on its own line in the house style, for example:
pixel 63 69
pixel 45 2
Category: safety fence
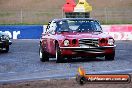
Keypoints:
pixel 106 16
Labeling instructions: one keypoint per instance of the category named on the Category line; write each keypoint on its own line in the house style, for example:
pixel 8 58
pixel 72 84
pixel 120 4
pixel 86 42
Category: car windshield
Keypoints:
pixel 78 26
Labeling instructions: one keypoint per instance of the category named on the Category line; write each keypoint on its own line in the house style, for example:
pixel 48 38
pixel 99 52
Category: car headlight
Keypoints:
pixel 2 37
pixel 66 42
pixel 111 41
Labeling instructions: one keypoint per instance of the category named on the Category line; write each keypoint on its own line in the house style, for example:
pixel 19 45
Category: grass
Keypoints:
pixel 44 23
pixel 24 23
pixel 42 18
pixel 39 12
pixel 5 14
pixel 115 22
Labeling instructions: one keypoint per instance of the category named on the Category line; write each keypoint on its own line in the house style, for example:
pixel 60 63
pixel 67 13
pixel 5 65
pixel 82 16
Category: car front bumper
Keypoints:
pixel 84 51
pixel 10 42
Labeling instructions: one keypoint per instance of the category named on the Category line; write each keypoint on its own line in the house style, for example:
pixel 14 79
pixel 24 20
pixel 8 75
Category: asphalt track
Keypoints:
pixel 22 63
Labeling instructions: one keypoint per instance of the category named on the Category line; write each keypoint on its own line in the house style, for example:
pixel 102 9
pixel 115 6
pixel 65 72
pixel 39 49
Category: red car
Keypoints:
pixel 75 37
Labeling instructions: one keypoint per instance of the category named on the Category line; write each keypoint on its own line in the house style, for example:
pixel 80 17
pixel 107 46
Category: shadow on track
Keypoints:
pixel 76 60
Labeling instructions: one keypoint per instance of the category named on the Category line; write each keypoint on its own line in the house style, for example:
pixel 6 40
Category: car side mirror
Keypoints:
pixel 101 31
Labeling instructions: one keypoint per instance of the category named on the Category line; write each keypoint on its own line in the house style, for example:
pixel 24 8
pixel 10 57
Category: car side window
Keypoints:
pixel 98 26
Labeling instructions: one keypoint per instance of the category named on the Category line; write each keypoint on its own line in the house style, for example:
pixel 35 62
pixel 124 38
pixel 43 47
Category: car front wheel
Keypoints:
pixel 58 54
pixel 43 55
pixel 110 57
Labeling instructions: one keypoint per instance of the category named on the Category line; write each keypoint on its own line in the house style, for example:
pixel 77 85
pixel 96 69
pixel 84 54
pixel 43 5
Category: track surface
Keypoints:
pixel 22 63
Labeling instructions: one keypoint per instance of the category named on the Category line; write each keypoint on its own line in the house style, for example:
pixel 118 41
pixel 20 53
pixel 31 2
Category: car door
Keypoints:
pixel 51 38
pixel 45 37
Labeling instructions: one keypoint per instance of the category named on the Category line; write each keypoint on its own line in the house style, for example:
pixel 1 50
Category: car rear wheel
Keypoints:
pixel 110 57
pixel 58 54
pixel 43 55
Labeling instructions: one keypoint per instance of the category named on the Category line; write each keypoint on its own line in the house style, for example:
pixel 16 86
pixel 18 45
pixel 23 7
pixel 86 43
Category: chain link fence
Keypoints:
pixel 113 16
pixel 106 16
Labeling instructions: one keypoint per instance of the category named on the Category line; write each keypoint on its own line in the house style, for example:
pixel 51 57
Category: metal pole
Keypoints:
pixel 21 14
pixel 106 18
pixel 62 13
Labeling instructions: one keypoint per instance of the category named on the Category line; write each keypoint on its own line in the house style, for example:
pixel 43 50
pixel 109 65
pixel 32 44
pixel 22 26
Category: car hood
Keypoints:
pixel 86 35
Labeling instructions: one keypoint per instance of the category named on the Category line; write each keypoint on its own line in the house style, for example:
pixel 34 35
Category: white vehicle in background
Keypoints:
pixel 5 42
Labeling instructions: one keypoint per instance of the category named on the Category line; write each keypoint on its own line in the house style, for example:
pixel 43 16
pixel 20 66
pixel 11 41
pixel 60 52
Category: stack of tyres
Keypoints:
pixel 81 10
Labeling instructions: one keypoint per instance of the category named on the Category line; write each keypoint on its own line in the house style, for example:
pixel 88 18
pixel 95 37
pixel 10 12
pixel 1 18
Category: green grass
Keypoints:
pixel 102 22
pixel 23 23
pixel 115 22
pixel 44 13
pixel 5 14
